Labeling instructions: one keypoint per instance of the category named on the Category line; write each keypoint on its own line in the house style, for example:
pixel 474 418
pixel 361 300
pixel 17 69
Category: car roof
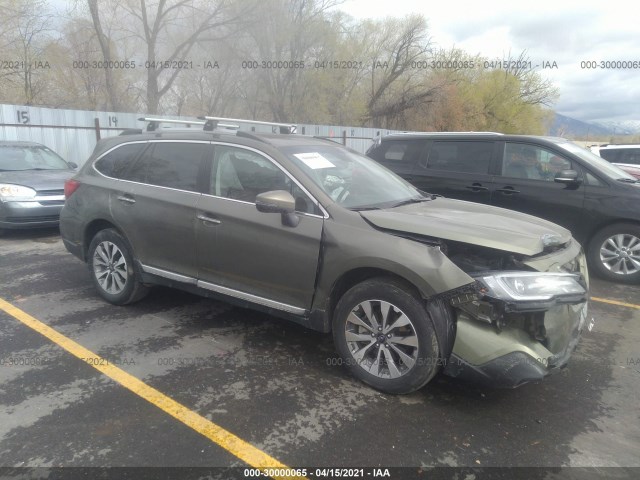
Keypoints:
pixel 239 138
pixel 628 145
pixel 471 135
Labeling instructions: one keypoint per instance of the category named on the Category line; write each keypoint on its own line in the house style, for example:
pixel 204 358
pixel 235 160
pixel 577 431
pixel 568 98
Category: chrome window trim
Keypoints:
pixel 304 214
pixel 325 214
pixel 224 290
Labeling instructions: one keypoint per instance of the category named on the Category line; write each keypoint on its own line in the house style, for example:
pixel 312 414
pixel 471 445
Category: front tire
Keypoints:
pixel 614 253
pixel 386 337
pixel 112 271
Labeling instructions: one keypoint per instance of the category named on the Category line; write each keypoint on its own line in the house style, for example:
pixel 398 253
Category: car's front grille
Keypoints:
pixel 50 197
pixel 36 219
pixel 50 193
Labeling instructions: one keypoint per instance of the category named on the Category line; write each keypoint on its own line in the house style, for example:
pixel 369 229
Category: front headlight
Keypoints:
pixel 12 192
pixel 531 286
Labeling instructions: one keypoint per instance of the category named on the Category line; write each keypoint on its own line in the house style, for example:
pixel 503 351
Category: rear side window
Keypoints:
pixel 174 165
pixel 610 155
pixel 630 156
pixel 115 163
pixel 397 152
pixel 468 157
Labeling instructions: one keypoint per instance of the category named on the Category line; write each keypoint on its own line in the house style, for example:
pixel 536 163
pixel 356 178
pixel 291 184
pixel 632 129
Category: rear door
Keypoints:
pixel 156 207
pixel 525 183
pixel 457 169
pixel 249 254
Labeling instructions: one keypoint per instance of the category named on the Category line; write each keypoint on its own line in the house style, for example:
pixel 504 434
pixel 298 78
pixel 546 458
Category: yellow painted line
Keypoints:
pixel 236 446
pixel 615 302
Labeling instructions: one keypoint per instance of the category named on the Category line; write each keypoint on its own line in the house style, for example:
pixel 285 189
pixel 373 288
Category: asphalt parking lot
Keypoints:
pixel 279 389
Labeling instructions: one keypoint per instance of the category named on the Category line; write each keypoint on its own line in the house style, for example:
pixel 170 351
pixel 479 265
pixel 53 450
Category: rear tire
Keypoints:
pixel 112 271
pixel 386 337
pixel 614 253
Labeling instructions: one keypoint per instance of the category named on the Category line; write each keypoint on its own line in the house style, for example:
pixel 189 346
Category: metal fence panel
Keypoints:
pixel 72 134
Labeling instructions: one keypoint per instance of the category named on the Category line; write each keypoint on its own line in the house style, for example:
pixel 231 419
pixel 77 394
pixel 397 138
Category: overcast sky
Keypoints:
pixel 566 32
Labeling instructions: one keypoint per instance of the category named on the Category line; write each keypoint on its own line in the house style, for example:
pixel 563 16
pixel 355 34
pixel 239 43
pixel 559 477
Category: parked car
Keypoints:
pixel 626 157
pixel 551 178
pixel 633 170
pixel 308 230
pixel 32 180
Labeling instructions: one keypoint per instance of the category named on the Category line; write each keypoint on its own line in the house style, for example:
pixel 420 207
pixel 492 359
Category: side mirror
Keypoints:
pixel 279 201
pixel 568 177
pixel 72 165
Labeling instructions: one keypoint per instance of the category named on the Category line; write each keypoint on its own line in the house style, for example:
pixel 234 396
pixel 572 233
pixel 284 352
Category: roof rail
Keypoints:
pixel 154 123
pixel 447 133
pixel 213 122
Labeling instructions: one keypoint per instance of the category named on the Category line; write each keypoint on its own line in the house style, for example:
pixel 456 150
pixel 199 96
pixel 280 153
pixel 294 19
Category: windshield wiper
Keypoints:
pixel 413 200
pixel 362 209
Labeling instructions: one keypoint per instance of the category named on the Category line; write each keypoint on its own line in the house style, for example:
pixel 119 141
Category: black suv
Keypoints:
pixel 551 178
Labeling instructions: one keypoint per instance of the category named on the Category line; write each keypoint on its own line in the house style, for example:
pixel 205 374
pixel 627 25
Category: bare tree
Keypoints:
pixel 284 38
pixel 395 85
pixel 25 33
pixel 105 46
pixel 162 26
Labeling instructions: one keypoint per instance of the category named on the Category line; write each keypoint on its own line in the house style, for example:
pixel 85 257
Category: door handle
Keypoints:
pixel 126 199
pixel 507 190
pixel 476 187
pixel 207 219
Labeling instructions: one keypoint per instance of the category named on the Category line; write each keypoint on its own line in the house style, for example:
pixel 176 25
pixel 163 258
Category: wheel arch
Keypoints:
pixel 92 228
pixel 358 275
pixel 614 221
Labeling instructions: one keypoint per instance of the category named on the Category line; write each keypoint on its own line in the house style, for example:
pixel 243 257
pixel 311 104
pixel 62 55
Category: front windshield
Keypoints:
pixel 17 157
pixel 350 179
pixel 603 166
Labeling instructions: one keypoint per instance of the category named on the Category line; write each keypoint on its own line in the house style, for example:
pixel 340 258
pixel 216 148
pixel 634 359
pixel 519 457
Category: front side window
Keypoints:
pixel 592 160
pixel 465 157
pixel 169 164
pixel 532 162
pixel 241 174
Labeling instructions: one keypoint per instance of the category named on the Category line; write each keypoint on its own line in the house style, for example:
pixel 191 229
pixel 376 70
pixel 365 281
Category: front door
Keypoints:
pixel 249 254
pixel 526 185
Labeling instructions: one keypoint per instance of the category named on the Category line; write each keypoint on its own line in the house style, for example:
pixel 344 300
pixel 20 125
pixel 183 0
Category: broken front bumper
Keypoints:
pixel 513 356
pixel 506 338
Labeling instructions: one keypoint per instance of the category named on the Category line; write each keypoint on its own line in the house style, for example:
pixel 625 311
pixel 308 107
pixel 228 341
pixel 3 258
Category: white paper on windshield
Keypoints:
pixel 314 160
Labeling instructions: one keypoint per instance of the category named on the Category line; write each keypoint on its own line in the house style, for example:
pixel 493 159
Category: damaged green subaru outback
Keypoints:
pixel 410 284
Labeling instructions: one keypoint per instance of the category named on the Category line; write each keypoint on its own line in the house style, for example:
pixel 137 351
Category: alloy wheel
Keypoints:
pixel 381 338
pixel 110 267
pixel 620 254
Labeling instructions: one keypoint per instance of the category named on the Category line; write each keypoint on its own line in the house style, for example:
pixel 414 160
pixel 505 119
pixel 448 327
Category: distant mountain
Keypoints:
pixel 563 126
pixel 629 127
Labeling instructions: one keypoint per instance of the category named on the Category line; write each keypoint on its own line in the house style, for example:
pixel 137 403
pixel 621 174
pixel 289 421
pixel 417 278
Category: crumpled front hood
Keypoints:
pixel 471 223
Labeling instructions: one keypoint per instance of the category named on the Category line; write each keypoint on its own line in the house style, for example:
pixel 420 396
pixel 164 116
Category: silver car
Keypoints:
pixel 32 180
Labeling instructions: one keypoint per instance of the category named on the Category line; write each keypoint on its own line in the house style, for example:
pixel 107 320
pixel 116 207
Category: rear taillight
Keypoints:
pixel 70 186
